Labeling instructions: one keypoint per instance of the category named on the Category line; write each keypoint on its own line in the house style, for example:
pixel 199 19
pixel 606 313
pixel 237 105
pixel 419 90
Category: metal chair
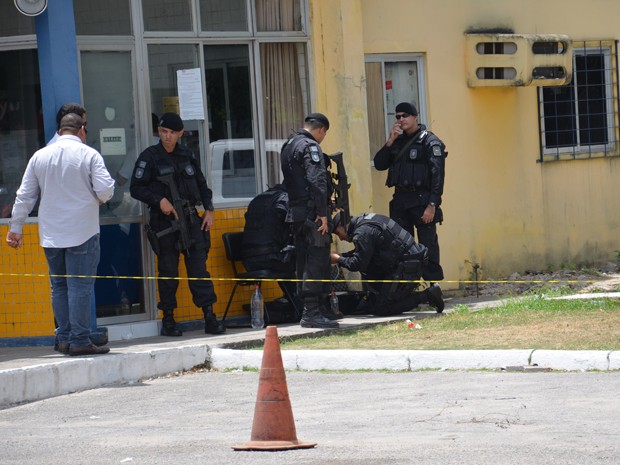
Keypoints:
pixel 233 242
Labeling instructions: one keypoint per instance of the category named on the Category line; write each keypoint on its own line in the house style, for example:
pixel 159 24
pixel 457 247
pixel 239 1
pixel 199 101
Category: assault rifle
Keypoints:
pixel 340 197
pixel 182 225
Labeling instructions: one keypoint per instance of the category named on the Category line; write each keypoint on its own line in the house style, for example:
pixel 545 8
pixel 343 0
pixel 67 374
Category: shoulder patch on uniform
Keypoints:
pixel 139 173
pixel 314 153
pixel 189 170
pixel 437 151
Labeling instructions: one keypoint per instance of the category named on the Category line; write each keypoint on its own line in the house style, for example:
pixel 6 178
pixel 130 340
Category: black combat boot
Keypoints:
pixel 312 316
pixel 169 326
pixel 212 326
pixel 435 297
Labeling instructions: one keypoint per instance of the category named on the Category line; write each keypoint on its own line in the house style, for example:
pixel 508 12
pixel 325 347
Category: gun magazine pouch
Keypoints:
pixel 152 238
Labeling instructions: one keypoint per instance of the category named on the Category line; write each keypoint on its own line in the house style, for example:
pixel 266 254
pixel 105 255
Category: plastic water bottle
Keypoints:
pixel 333 302
pixel 257 309
pixel 125 304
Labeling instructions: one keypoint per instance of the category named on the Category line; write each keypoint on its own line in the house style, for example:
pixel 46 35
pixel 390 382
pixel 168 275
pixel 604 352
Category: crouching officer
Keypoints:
pixel 168 179
pixel 385 251
pixel 308 185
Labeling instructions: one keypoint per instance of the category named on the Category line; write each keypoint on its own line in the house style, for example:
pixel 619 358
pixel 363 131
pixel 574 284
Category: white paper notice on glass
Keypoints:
pixel 189 85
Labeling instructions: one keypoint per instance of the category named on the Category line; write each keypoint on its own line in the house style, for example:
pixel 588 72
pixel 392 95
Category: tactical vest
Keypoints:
pixel 265 232
pixel 395 243
pixel 292 168
pixel 411 169
pixel 184 172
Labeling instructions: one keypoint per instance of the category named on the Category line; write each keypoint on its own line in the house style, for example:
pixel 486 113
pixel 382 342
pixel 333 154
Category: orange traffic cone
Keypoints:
pixel 274 426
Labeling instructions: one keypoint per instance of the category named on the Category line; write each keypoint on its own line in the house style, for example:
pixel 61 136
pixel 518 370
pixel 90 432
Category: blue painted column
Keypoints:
pixel 58 60
pixel 60 83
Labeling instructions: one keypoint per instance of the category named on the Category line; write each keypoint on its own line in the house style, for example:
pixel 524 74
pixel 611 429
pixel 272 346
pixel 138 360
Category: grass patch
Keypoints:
pixel 530 322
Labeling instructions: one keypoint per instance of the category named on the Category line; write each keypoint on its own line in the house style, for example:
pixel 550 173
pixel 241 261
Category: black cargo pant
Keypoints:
pixel 312 254
pixel 410 219
pixel 203 293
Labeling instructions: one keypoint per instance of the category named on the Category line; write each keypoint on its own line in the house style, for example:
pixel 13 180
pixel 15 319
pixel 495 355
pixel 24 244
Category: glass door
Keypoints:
pixel 232 147
pixel 110 112
pixel 164 63
pixel 21 125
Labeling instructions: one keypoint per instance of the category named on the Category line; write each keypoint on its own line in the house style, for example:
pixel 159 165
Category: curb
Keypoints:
pixel 38 382
pixel 81 373
pixel 582 360
pixel 391 360
pixel 411 360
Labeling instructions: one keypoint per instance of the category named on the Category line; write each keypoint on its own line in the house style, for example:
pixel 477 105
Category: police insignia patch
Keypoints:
pixel 314 153
pixel 413 154
pixel 437 151
pixel 140 169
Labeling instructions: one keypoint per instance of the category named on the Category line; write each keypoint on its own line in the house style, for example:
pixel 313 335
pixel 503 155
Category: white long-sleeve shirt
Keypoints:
pixel 72 180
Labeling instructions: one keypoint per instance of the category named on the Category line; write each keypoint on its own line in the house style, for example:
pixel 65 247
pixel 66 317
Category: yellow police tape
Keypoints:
pixel 490 281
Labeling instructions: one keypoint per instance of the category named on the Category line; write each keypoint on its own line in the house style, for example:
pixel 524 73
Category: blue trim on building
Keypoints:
pixel 58 60
pixel 39 341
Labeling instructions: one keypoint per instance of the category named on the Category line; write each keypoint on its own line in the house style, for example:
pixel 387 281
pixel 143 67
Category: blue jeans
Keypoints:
pixel 71 296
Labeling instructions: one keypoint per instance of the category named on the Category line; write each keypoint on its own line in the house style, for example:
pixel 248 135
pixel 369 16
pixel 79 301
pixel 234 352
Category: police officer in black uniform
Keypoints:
pixel 267 242
pixel 415 160
pixel 308 184
pixel 384 251
pixel 155 168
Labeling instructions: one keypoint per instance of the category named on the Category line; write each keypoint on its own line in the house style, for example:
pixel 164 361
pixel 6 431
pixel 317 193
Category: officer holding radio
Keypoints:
pixel 309 190
pixel 415 160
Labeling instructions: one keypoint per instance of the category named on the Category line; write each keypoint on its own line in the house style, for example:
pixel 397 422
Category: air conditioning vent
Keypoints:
pixel 503 60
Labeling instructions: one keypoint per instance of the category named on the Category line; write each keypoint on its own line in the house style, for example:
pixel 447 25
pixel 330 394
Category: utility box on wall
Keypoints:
pixel 508 60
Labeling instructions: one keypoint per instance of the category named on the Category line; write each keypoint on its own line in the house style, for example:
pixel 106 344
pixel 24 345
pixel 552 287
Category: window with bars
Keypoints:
pixel 580 120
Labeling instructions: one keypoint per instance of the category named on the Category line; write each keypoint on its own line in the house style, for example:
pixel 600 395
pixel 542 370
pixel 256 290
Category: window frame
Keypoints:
pixel 608 49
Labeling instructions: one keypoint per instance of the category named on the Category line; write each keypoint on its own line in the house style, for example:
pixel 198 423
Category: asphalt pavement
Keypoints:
pixel 29 374
pixel 370 418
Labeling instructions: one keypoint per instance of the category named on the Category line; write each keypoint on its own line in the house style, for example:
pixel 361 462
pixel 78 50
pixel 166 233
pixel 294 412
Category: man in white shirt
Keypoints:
pixel 72 181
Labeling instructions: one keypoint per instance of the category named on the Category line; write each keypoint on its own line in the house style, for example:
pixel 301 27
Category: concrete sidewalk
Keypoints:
pixel 33 373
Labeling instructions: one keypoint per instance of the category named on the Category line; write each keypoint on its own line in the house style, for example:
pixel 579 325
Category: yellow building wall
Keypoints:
pixel 26 309
pixel 503 210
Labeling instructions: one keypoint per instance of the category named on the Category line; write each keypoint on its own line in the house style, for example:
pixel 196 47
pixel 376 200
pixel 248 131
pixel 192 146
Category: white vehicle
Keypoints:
pixel 233 169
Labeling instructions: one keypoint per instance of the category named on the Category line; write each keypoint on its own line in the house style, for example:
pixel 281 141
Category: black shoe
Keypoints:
pixel 435 298
pixel 90 349
pixel 212 326
pixel 62 347
pixel 170 330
